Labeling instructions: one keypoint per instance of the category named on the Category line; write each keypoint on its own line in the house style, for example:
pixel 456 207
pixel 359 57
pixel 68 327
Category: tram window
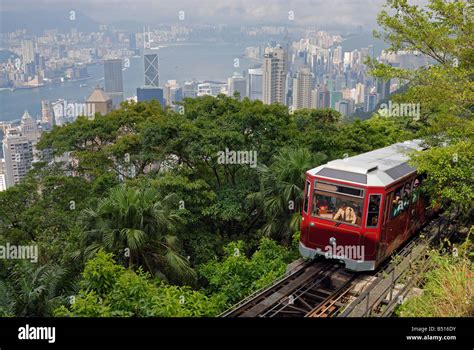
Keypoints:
pixel 373 213
pixel 352 191
pixel 401 199
pixel 397 202
pixel 337 207
pixel 306 197
pixel 416 189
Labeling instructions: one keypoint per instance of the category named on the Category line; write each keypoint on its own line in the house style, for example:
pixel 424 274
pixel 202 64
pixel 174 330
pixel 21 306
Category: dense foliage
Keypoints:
pixel 147 186
pixel 146 220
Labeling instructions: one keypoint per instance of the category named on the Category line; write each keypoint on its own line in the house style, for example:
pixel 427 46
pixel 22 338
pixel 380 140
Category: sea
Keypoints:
pixel 180 62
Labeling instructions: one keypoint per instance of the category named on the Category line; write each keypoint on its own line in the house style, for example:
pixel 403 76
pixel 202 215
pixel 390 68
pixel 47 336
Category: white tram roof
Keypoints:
pixel 380 167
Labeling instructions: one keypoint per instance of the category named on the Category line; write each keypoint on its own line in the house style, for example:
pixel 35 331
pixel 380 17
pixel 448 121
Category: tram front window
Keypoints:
pixel 337 207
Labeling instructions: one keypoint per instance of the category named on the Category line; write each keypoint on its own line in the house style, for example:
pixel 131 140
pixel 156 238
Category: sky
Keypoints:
pixel 320 13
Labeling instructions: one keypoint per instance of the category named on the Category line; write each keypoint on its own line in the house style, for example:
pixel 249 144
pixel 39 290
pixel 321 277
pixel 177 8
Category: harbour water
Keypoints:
pixel 180 62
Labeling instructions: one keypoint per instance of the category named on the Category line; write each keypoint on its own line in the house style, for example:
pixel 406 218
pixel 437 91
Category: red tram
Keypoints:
pixel 360 209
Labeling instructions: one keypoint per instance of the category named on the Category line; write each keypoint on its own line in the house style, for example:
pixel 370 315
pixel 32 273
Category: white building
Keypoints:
pixel 302 85
pixel 3 175
pixel 274 75
pixel 18 153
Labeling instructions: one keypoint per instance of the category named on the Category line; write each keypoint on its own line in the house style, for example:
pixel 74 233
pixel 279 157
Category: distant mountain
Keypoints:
pixel 39 20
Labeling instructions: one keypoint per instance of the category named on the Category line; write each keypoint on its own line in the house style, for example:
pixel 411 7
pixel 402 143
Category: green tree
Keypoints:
pixel 108 289
pixel 444 32
pixel 236 276
pixel 34 291
pixel 280 198
pixel 139 225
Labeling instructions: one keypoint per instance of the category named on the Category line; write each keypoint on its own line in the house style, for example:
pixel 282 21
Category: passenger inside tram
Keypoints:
pixel 345 213
pixel 332 207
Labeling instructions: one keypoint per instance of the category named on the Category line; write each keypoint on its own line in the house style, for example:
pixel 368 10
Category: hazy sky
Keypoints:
pixel 321 13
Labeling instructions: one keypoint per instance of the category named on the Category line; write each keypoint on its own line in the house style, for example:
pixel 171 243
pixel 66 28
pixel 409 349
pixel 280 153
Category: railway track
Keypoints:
pixel 314 289
pixel 324 288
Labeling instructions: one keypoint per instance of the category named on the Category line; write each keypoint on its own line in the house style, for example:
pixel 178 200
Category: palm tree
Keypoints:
pixel 35 291
pixel 139 225
pixel 280 198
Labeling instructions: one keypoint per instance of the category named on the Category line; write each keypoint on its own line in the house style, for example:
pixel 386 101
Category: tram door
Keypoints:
pixel 372 224
pixel 387 227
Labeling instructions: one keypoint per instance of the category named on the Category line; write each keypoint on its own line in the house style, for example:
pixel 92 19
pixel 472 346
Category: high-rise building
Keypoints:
pixel 46 114
pixel 255 84
pixel 383 89
pixel 3 175
pixel 302 85
pixel 27 51
pixel 370 102
pixel 314 98
pixel 237 83
pixel 345 107
pixel 151 69
pixel 190 89
pixel 359 93
pixel 336 96
pixel 173 93
pixel 18 154
pixel 204 89
pixel 29 128
pixel 149 93
pixel 274 75
pixel 337 55
pixel 99 102
pixel 113 80
pixel 324 99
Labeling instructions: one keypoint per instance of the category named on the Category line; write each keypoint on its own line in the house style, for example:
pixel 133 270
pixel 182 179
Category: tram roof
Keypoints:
pixel 380 167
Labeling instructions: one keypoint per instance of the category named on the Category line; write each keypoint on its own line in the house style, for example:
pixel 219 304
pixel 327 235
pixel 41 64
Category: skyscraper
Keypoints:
pixel 324 98
pixel 27 51
pixel 113 80
pixel 274 75
pixel 190 89
pixel 345 107
pixel 173 93
pixel 237 84
pixel 46 114
pixel 151 69
pixel 383 89
pixel 255 84
pixel 18 153
pixel 149 93
pixel 370 102
pixel 302 85
pixel 3 175
pixel 29 129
